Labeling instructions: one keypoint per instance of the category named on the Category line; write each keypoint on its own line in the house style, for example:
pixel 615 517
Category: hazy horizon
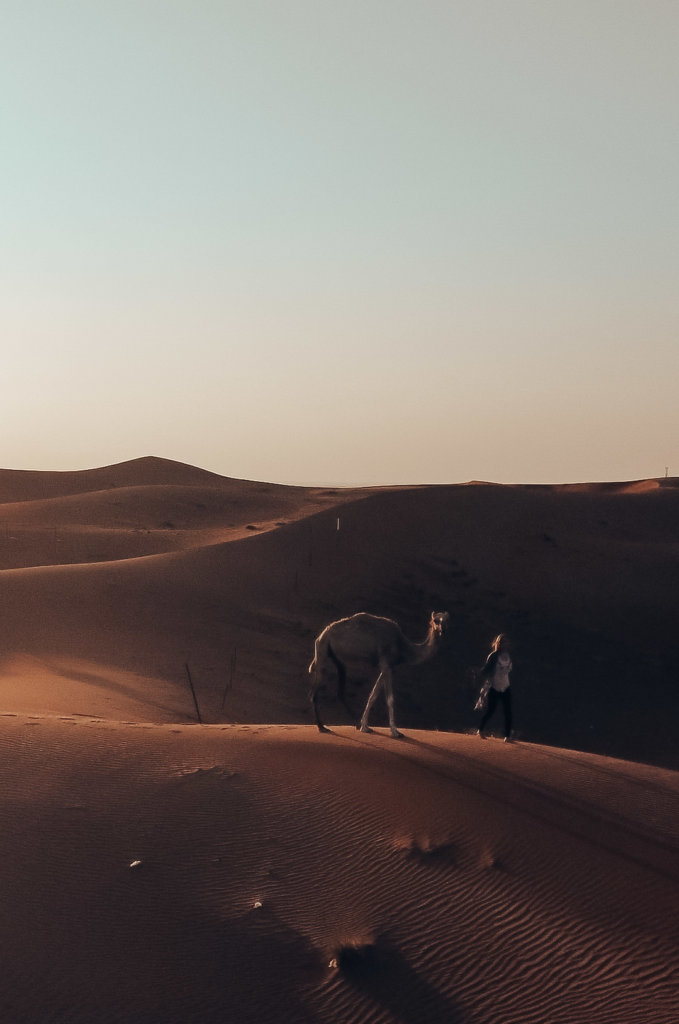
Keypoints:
pixel 375 243
pixel 343 484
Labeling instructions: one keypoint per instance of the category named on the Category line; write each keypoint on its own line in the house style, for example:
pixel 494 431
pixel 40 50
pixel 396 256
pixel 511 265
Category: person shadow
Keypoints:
pixel 380 972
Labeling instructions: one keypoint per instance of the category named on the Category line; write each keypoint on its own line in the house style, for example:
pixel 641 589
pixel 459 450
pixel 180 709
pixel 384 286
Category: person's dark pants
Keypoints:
pixel 495 698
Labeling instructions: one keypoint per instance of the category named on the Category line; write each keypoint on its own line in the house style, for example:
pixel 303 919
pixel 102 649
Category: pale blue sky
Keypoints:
pixel 375 241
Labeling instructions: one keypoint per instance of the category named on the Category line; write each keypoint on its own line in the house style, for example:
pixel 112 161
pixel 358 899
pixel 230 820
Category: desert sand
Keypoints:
pixel 247 867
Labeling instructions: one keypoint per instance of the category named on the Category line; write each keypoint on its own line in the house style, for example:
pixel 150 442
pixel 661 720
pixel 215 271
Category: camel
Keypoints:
pixel 376 641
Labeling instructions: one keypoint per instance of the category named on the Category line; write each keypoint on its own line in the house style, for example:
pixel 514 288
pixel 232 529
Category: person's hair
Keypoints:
pixel 499 639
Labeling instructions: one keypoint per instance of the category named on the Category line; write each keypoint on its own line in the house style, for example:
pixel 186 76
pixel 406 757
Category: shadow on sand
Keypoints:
pixel 381 972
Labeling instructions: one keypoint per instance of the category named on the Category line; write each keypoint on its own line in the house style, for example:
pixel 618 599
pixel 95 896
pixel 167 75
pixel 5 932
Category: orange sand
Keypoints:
pixel 159 871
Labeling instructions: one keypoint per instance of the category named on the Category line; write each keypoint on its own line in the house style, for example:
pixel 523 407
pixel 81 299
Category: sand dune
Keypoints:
pixel 250 869
pixel 30 485
pixel 148 506
pixel 188 874
pixel 236 579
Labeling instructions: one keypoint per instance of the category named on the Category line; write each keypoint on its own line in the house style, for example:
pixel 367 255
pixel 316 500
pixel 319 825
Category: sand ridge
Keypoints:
pixel 159 564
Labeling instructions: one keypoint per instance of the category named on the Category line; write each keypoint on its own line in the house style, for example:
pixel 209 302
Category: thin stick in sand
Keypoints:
pixel 193 692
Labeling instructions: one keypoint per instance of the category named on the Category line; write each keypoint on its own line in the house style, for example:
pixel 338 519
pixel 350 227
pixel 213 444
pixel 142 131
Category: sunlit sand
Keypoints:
pixel 251 868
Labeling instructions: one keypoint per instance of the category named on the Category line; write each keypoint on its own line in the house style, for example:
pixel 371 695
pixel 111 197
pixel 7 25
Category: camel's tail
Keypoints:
pixel 321 653
pixel 315 670
pixel 316 660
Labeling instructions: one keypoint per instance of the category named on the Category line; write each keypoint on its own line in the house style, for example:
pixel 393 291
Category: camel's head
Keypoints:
pixel 439 622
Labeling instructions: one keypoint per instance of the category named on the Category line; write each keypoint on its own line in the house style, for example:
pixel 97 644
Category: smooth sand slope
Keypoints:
pixel 439 878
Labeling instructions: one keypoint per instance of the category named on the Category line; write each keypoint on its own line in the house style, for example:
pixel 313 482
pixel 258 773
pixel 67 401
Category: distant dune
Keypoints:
pixel 251 869
pixel 124 574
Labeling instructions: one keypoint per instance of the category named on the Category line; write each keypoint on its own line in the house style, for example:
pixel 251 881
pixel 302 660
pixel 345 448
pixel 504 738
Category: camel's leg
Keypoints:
pixel 389 694
pixel 321 727
pixel 364 727
pixel 315 686
pixel 341 681
pixel 314 702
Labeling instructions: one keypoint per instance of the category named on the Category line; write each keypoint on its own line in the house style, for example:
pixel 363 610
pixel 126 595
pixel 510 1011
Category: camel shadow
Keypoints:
pixel 381 973
pixel 352 733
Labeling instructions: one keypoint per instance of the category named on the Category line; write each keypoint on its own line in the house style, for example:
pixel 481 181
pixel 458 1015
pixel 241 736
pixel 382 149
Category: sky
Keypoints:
pixel 367 242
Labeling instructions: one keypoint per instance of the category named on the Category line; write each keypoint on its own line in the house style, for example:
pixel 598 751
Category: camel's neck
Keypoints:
pixel 422 652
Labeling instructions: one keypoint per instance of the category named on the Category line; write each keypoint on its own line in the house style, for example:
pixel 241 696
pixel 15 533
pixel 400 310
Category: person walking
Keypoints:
pixel 496 686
